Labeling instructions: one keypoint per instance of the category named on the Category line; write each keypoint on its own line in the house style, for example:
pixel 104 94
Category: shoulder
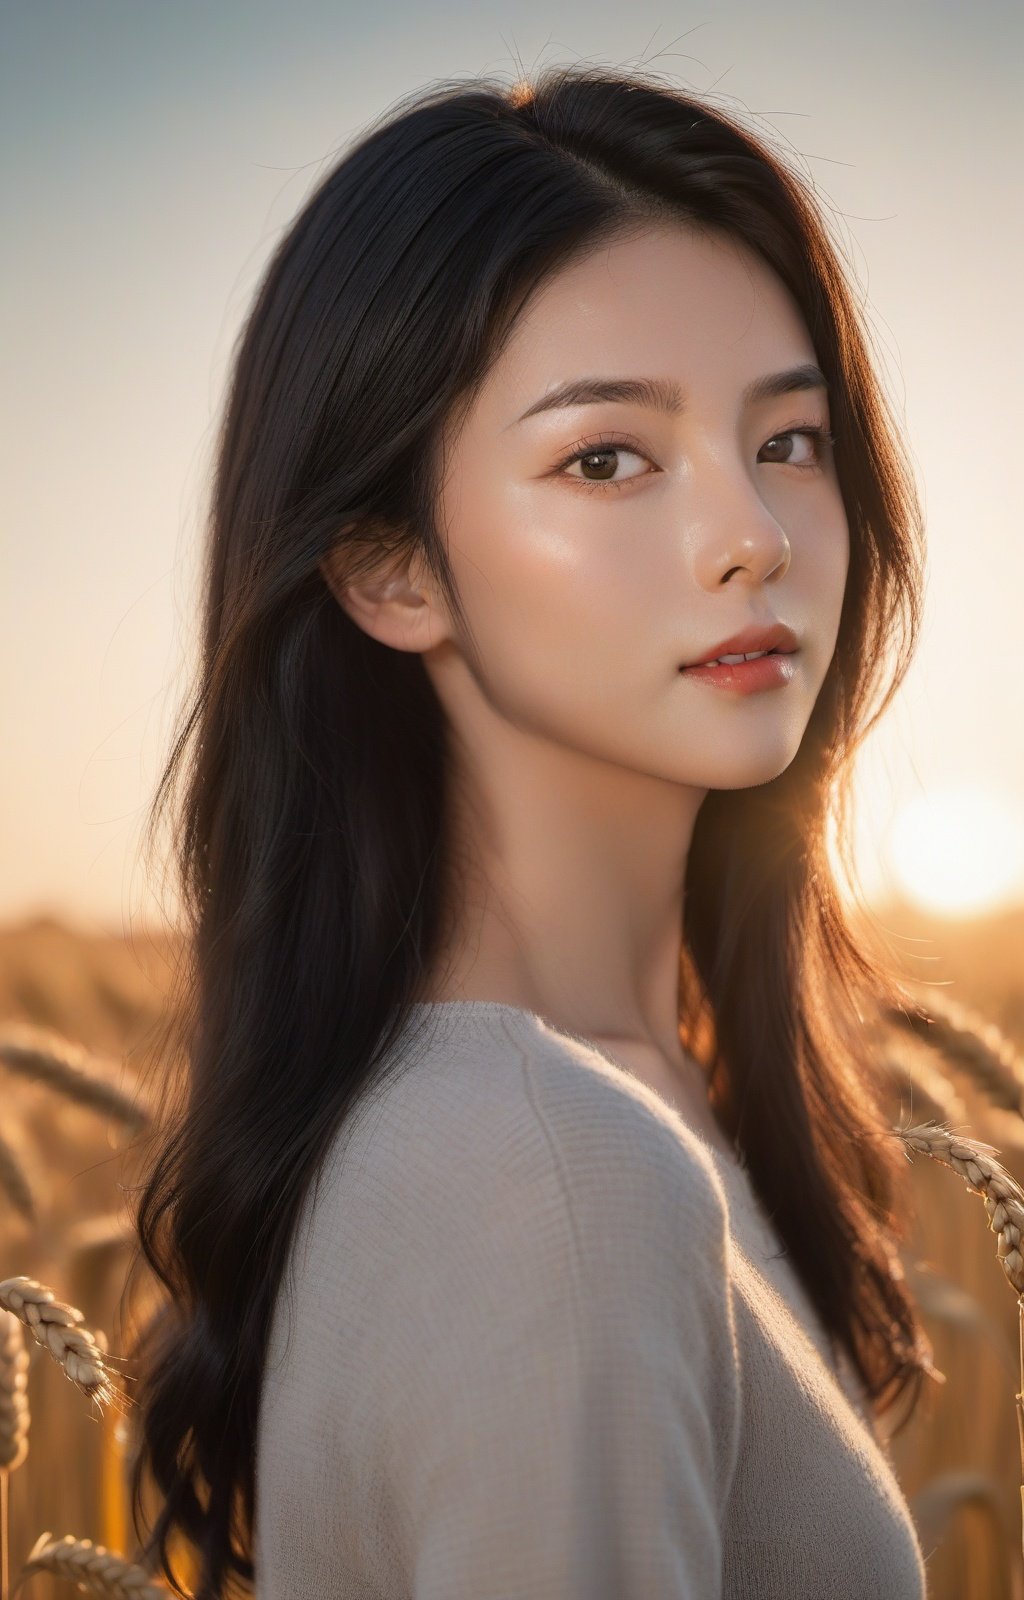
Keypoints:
pixel 502 1123
pixel 504 1178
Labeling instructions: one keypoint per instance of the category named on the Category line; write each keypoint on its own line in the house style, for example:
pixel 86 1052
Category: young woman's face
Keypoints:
pixel 590 582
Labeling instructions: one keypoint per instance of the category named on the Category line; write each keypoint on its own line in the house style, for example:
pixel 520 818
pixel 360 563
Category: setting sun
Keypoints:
pixel 958 850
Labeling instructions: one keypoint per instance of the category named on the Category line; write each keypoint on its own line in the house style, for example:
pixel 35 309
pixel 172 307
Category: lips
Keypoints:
pixel 775 637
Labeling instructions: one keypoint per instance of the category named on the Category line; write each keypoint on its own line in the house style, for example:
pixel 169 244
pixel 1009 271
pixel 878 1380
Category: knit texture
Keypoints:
pixel 538 1340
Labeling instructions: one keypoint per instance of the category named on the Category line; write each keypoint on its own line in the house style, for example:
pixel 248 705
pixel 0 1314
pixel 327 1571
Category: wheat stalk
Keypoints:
pixel 91 1567
pixel 48 1057
pixel 1004 1202
pixel 57 1327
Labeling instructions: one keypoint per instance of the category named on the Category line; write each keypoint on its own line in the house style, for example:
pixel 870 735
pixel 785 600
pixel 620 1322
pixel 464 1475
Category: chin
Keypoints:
pixel 748 773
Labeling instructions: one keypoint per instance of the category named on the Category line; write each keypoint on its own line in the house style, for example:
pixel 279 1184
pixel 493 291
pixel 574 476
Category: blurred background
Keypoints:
pixel 152 157
pixel 154 154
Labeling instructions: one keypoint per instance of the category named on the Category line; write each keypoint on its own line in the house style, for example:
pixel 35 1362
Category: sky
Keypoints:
pixel 153 156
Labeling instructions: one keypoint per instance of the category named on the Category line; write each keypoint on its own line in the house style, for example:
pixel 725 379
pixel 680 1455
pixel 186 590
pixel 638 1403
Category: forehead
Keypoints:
pixel 667 299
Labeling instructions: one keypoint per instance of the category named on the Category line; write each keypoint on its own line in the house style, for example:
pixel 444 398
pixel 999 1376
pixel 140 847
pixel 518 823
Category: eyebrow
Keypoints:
pixel 665 394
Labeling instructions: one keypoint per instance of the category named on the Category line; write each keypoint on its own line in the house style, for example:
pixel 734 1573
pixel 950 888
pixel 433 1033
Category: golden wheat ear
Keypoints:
pixel 58 1328
pixel 967 1041
pixel 47 1057
pixel 978 1165
pixel 92 1567
pixel 15 1182
pixel 14 1413
pixel 980 1169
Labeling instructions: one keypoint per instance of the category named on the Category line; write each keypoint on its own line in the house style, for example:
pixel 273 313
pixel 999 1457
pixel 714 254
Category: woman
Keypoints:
pixel 514 925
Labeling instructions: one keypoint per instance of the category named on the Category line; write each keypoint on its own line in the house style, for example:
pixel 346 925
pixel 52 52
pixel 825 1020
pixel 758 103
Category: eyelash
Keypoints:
pixel 810 430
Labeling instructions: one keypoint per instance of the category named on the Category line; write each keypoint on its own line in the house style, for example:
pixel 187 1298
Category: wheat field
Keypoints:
pixel 66 1164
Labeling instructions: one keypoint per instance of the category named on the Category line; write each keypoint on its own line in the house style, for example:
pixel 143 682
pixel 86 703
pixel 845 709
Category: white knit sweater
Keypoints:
pixel 537 1341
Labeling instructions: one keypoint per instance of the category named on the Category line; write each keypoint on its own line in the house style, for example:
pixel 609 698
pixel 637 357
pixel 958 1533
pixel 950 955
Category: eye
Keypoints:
pixel 808 458
pixel 600 457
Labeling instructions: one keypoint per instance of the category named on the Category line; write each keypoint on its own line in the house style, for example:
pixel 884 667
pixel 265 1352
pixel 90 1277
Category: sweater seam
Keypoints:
pixel 559 1165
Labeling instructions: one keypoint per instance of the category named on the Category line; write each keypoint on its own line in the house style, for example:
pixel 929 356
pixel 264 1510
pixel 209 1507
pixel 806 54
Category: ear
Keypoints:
pixel 392 602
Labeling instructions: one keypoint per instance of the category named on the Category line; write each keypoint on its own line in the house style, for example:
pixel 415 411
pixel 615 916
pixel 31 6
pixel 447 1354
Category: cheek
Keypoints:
pixel 547 580
pixel 819 536
pixel 821 564
pixel 558 648
pixel 835 560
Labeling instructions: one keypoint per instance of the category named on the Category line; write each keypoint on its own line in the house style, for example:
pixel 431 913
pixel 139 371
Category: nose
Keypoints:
pixel 739 540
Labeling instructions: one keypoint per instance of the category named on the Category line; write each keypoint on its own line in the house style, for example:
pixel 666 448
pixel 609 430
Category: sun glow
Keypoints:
pixel 958 850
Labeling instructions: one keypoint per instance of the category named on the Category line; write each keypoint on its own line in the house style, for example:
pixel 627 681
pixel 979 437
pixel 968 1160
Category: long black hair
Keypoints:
pixel 310 766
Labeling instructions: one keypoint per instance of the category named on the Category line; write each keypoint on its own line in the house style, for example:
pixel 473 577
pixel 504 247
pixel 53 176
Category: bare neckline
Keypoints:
pixel 502 1008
